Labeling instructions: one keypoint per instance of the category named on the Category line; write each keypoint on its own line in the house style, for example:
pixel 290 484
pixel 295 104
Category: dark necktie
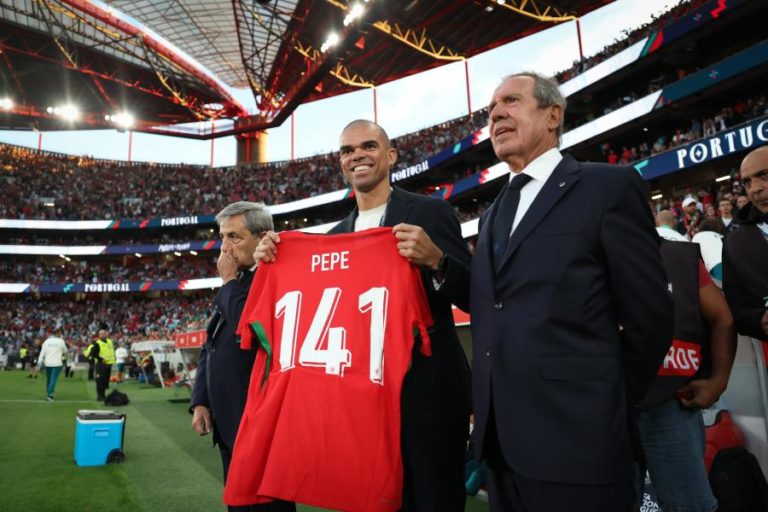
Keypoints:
pixel 505 216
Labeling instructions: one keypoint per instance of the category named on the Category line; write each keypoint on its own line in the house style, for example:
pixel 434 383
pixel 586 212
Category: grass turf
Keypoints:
pixel 167 468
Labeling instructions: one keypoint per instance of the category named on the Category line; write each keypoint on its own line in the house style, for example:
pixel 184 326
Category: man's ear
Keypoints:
pixel 392 156
pixel 555 117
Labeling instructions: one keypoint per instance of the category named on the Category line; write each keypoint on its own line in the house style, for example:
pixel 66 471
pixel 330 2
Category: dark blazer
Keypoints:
pixel 436 388
pixel 745 273
pixel 224 370
pixel 547 350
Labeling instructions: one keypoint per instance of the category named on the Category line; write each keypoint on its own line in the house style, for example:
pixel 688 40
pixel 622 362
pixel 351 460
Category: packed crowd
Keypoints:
pixel 112 237
pixel 52 186
pixel 629 38
pixel 114 271
pixel 133 317
pixel 717 204
pixel 713 122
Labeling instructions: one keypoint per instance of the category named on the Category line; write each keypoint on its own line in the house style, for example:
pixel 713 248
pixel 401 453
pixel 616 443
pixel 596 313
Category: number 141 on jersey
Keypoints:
pixel 335 356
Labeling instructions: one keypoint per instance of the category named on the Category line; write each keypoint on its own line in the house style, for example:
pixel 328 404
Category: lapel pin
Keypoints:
pixel 562 184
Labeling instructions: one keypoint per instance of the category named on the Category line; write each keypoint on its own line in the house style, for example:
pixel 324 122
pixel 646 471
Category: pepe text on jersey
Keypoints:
pixel 329 261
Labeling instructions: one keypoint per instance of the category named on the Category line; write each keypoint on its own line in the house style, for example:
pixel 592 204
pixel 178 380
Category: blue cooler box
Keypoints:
pixel 99 437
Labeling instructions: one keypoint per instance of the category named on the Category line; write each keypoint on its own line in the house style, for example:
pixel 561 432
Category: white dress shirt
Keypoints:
pixel 539 170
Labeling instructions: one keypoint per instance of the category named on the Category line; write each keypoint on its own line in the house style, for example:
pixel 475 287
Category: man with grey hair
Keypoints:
pixel 571 316
pixel 223 371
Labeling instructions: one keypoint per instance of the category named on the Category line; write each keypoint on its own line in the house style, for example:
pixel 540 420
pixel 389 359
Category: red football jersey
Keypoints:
pixel 334 318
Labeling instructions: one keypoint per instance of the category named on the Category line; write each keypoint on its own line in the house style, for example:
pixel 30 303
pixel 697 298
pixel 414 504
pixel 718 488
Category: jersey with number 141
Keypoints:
pixel 334 319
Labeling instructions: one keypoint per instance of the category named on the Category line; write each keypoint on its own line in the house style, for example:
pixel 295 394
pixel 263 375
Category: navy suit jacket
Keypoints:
pixel 224 370
pixel 548 354
pixel 437 388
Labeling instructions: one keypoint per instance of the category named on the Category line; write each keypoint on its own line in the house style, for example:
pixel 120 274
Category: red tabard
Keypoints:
pixel 334 318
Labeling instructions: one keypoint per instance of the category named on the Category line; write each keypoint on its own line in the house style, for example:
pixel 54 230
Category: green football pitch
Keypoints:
pixel 167 467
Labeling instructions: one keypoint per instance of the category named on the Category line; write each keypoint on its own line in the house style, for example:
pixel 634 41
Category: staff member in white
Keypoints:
pixel 51 357
pixel 121 354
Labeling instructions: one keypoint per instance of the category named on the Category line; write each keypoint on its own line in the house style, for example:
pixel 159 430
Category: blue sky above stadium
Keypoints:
pixel 404 105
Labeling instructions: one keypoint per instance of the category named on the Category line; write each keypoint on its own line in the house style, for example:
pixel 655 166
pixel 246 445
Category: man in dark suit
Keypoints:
pixel 571 316
pixel 223 372
pixel 435 400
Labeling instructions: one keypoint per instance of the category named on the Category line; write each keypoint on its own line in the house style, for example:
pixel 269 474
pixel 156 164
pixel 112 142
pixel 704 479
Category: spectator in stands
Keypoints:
pixel 436 393
pixel 691 217
pixel 52 353
pixel 725 209
pixel 673 436
pixel 666 226
pixel 553 386
pixel 710 240
pixel 741 202
pixel 745 255
pixel 221 387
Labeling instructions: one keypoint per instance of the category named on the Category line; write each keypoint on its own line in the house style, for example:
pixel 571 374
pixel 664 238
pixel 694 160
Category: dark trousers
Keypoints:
pixel 509 491
pixel 91 367
pixel 274 506
pixel 103 371
pixel 433 467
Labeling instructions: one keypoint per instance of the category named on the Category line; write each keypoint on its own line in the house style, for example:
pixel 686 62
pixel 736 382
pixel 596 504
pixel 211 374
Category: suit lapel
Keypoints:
pixel 346 225
pixel 398 209
pixel 483 248
pixel 560 181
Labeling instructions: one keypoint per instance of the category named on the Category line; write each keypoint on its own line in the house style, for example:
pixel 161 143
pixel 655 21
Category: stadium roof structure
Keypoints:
pixel 107 57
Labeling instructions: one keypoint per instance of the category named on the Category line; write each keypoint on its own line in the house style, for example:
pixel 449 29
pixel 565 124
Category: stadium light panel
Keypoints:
pixel 193 253
pixel 68 112
pixel 137 255
pixel 723 178
pixel 123 120
pixel 332 40
pixel 177 253
pixel 6 103
pixel 356 12
pixel 657 196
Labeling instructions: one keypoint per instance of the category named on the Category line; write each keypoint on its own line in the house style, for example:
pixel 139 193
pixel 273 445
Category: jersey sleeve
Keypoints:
pixel 704 278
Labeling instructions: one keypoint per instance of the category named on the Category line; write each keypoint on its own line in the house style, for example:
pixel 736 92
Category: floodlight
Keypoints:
pixel 355 12
pixel 137 255
pixel 333 40
pixel 657 196
pixel 67 112
pixel 193 253
pixel 177 253
pixel 6 103
pixel 723 178
pixel 123 120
